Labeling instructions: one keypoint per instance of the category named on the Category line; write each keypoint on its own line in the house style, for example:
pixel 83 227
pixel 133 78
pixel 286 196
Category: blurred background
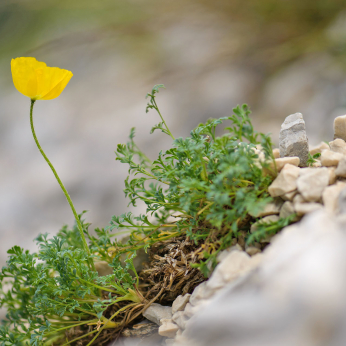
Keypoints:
pixel 279 56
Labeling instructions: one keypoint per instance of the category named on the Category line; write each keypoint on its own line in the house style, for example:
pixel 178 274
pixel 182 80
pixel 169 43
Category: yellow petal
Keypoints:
pixel 59 80
pixel 38 81
pixel 24 77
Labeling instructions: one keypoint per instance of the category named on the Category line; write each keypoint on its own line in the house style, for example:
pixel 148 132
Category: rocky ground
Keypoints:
pixel 292 293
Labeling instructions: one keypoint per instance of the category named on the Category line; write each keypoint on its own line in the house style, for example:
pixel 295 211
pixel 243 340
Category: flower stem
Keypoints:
pixel 80 228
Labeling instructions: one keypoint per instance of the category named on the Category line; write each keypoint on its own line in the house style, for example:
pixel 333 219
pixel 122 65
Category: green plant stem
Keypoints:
pixel 81 337
pixel 97 286
pixel 163 120
pixel 104 326
pixel 68 327
pixel 80 228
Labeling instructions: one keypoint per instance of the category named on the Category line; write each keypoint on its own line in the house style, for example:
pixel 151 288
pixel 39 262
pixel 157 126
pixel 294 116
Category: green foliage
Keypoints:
pixel 208 183
pixel 54 290
pixel 312 159
pixel 265 229
pixel 204 187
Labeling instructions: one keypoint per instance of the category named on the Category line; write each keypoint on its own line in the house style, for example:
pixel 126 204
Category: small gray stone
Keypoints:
pixel 180 303
pixel 340 127
pixel 157 312
pixel 338 145
pixel 341 169
pixel 293 140
pixel 312 182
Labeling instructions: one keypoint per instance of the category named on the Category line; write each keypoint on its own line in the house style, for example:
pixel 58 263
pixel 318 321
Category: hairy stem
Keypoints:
pixel 80 228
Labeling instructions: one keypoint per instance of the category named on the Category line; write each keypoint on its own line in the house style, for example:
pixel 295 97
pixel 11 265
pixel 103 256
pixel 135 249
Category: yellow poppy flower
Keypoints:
pixel 36 80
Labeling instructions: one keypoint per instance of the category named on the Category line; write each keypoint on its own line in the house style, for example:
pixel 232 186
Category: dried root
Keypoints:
pixel 169 268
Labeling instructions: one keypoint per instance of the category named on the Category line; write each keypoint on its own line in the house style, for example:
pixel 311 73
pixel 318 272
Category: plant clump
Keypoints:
pixel 199 196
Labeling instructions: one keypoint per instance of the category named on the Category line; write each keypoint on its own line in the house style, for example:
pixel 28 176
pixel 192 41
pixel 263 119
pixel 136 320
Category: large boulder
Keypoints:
pixel 296 296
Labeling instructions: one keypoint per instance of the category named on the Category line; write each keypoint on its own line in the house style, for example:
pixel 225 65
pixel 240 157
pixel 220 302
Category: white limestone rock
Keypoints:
pixel 235 264
pixel 282 161
pixel 332 175
pixel 340 127
pixel 317 164
pixel 168 328
pixel 287 209
pixel 341 169
pixel 338 145
pixel 295 297
pixel 270 209
pixel 223 254
pixel 182 340
pixel 190 310
pixel 257 259
pixel 306 208
pixel 200 293
pixel 180 318
pixel 157 312
pixel 285 182
pixel 276 153
pixel 342 202
pixel 318 149
pixel 252 251
pixel 330 196
pixel 293 140
pixel 289 196
pixel 330 158
pixel 312 182
pixel 180 303
pixel 298 198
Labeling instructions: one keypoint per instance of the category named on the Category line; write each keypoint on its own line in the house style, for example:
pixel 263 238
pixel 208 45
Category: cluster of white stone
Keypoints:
pixel 297 189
